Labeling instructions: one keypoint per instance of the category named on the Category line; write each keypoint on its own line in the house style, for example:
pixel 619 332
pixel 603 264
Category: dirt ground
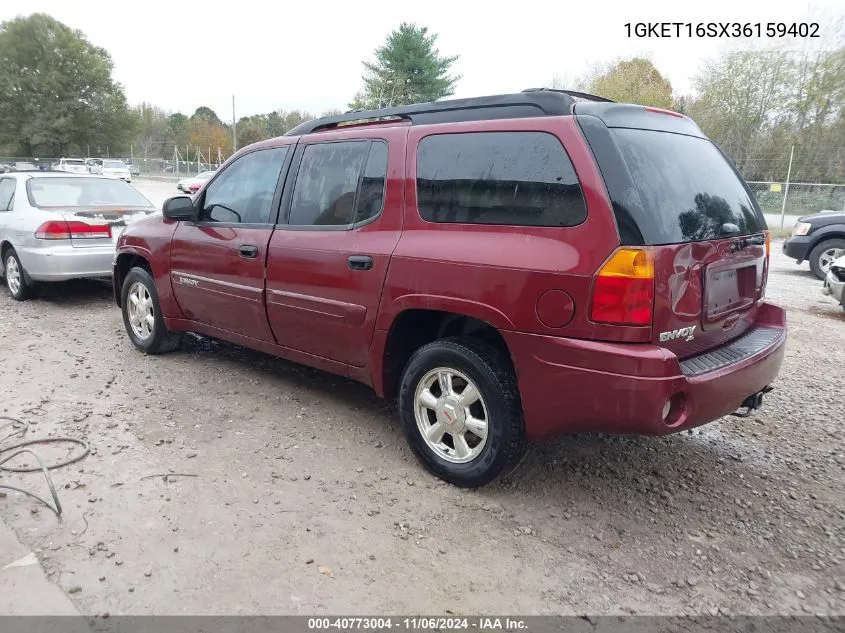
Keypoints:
pixel 296 493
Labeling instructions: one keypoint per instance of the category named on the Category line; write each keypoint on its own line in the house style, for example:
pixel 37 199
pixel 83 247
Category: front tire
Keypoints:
pixel 823 255
pixel 20 286
pixel 142 314
pixel 461 412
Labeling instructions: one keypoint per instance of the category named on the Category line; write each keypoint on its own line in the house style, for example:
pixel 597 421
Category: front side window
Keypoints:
pixel 512 178
pixel 243 193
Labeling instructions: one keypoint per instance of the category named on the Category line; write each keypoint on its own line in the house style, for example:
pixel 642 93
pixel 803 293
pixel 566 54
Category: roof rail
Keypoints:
pixel 573 93
pixel 509 106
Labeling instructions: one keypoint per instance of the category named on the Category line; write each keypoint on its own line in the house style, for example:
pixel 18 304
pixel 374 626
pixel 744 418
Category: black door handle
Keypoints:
pixel 360 262
pixel 248 251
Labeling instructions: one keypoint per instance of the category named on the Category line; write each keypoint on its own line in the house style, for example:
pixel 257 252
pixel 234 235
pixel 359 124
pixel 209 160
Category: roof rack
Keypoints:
pixel 530 103
pixel 573 93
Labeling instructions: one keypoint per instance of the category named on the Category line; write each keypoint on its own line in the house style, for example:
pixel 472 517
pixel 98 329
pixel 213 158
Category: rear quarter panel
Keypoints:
pixel 498 273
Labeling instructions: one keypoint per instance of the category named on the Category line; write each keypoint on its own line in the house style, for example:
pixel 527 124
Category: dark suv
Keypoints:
pixel 508 267
pixel 819 239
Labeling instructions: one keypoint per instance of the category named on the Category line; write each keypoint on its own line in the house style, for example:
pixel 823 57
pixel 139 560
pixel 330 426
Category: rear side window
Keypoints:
pixel 7 193
pixel 513 178
pixel 339 184
pixel 688 190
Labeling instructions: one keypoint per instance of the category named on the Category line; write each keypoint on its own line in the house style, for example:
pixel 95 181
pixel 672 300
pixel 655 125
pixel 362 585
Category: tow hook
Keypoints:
pixel 754 401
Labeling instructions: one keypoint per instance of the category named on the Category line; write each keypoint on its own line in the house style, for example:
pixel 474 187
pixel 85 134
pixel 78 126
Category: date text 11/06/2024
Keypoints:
pixel 417 623
pixel 722 29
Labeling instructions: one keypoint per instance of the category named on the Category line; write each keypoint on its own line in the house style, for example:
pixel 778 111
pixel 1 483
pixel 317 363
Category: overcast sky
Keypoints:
pixel 307 55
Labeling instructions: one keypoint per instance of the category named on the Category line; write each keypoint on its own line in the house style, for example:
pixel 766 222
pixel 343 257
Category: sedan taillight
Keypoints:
pixel 67 230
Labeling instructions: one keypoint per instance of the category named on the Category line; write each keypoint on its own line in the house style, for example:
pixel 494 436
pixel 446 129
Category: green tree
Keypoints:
pixel 252 129
pixel 56 90
pixel 633 81
pixel 742 96
pixel 204 112
pixel 408 68
pixel 177 123
pixel 155 138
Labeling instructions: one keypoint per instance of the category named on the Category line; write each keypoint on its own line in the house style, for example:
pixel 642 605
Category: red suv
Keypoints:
pixel 508 267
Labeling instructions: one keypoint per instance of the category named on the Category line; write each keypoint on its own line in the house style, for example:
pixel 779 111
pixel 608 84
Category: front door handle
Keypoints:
pixel 360 262
pixel 248 251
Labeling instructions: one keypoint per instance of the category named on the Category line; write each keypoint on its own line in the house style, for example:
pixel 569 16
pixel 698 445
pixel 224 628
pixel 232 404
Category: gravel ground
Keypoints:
pixel 295 492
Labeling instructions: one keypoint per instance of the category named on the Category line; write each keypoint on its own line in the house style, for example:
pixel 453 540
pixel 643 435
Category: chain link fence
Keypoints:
pixel 146 167
pixel 802 198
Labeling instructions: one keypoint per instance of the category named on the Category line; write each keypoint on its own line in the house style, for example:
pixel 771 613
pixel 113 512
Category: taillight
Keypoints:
pixel 623 293
pixel 768 244
pixel 66 230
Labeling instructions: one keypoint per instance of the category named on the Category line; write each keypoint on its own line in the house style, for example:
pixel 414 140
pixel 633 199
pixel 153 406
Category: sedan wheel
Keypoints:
pixel 13 275
pixel 19 285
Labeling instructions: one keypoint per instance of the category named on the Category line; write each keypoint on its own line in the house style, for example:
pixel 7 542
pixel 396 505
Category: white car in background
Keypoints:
pixel 56 226
pixel 72 166
pixel 834 282
pixel 116 169
pixel 193 183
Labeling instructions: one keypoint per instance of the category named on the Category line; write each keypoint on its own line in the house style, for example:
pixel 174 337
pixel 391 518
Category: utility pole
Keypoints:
pixel 786 191
pixel 234 128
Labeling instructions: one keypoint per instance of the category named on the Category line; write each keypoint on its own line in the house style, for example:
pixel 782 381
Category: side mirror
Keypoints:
pixel 178 208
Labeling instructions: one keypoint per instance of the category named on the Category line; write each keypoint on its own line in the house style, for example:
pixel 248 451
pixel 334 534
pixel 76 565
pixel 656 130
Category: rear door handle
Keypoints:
pixel 248 251
pixel 360 262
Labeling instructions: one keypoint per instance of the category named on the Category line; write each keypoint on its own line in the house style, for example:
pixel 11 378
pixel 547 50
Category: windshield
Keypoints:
pixel 83 192
pixel 688 189
pixel 114 164
pixel 73 161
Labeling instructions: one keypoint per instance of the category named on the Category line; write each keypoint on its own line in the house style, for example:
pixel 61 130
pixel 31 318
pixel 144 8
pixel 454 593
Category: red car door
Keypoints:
pixel 217 262
pixel 339 224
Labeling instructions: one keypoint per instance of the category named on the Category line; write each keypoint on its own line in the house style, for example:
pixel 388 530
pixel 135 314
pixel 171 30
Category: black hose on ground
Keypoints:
pixel 20 428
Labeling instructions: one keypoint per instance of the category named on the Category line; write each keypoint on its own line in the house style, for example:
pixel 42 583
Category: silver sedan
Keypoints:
pixel 56 226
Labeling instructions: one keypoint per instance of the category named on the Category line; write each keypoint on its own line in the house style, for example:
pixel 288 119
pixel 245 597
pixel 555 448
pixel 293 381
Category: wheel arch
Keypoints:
pixel 412 328
pixel 123 263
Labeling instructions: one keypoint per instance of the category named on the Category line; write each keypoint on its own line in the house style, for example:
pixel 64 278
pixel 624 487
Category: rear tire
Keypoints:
pixel 142 315
pixel 822 256
pixel 20 286
pixel 434 430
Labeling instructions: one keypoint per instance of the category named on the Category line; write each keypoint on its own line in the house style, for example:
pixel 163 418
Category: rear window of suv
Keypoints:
pixel 688 189
pixel 513 178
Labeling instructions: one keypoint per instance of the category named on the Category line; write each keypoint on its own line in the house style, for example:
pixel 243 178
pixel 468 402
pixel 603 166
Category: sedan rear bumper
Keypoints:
pixel 61 262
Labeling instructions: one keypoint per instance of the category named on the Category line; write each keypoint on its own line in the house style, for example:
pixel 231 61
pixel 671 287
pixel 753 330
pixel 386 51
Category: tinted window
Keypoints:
pixel 518 178
pixel 371 193
pixel 243 193
pixel 325 188
pixel 83 192
pixel 7 193
pixel 688 189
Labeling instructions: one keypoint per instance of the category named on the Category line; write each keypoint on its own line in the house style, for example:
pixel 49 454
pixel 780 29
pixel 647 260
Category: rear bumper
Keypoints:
pixel 570 386
pixel 797 247
pixel 63 262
